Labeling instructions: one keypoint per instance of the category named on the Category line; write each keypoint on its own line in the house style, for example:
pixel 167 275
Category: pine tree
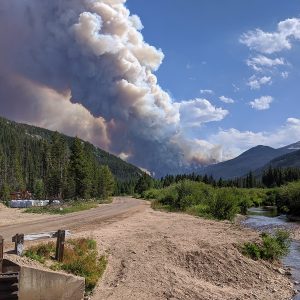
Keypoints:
pixel 39 189
pixel 106 182
pixel 5 193
pixel 79 170
pixel 57 161
pixel 144 183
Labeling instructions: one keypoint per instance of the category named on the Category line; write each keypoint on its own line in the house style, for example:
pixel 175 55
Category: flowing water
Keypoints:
pixel 267 219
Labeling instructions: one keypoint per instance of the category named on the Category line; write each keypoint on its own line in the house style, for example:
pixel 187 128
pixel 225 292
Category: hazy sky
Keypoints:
pixel 164 84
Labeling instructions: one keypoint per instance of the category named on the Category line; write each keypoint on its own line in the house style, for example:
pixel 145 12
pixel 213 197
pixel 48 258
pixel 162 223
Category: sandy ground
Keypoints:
pixel 16 216
pixel 158 255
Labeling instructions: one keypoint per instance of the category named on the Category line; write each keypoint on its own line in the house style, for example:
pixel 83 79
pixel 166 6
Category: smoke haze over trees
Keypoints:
pixel 83 68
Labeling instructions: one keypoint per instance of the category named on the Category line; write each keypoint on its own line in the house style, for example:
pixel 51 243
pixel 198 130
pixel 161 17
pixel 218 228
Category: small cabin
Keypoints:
pixel 23 195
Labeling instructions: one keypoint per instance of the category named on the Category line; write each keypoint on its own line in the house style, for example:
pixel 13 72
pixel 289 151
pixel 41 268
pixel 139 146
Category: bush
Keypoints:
pixel 200 210
pixel 197 198
pixel 225 206
pixel 41 252
pixel 288 198
pixel 252 250
pixel 273 247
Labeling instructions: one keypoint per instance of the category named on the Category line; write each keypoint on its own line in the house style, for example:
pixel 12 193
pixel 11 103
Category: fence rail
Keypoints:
pixel 19 240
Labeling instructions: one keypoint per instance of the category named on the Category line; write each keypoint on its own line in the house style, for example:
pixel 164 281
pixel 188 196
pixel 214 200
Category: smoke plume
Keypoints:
pixel 82 67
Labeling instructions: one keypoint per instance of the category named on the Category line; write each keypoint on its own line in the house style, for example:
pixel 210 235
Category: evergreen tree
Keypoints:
pixel 5 193
pixel 144 183
pixel 57 162
pixel 106 182
pixel 39 189
pixel 79 170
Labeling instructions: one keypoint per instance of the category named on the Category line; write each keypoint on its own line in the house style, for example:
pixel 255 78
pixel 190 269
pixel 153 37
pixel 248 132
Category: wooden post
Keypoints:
pixel 18 239
pixel 1 253
pixel 59 256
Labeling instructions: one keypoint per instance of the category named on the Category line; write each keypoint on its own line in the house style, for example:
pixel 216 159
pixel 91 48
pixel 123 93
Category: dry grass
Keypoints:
pixel 80 258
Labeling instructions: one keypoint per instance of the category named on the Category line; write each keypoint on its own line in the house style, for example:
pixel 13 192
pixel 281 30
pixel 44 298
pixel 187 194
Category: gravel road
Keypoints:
pixel 120 208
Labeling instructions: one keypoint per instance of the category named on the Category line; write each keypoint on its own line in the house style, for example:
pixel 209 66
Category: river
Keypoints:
pixel 267 219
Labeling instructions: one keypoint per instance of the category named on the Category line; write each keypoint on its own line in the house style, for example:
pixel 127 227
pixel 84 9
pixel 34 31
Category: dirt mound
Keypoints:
pixel 155 255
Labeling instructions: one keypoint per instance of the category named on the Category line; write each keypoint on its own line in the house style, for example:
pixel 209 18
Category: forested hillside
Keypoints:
pixel 55 165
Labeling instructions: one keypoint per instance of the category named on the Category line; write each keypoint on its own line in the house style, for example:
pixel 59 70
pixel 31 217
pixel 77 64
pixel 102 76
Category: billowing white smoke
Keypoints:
pixel 82 67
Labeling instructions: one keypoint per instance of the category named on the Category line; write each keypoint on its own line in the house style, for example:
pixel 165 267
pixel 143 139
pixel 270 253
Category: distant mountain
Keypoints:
pixel 290 160
pixel 253 159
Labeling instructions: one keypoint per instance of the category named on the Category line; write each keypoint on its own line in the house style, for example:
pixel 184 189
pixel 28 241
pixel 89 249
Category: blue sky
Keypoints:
pixel 203 51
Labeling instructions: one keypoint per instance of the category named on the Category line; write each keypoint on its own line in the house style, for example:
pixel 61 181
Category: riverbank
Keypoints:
pixel 159 255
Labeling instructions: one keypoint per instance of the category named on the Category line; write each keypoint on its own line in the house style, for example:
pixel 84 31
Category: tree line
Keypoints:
pixel 52 165
pixel 53 170
pixel 272 177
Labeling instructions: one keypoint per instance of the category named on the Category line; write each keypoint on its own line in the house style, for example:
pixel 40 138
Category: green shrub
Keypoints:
pixel 157 205
pixel 86 265
pixel 40 252
pixel 200 210
pixel 169 200
pixel 197 198
pixel 270 197
pixel 252 250
pixel 245 203
pixel 288 198
pixel 225 205
pixel 273 247
pixel 151 194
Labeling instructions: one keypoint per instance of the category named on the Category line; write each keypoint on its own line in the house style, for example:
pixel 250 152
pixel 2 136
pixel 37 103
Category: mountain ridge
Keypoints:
pixel 254 159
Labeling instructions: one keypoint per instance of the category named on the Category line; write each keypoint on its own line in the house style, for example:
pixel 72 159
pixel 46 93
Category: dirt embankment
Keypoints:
pixel 157 255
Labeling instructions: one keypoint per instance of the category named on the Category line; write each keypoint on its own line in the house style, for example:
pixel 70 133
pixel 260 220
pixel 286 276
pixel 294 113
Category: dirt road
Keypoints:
pixel 118 209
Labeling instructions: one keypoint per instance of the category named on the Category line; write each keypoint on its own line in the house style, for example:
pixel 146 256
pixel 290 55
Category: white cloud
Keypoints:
pixel 209 92
pixel 235 88
pixel 226 100
pixel 255 82
pixel 271 42
pixel 285 75
pixel 261 103
pixel 234 142
pixel 260 62
pixel 198 111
